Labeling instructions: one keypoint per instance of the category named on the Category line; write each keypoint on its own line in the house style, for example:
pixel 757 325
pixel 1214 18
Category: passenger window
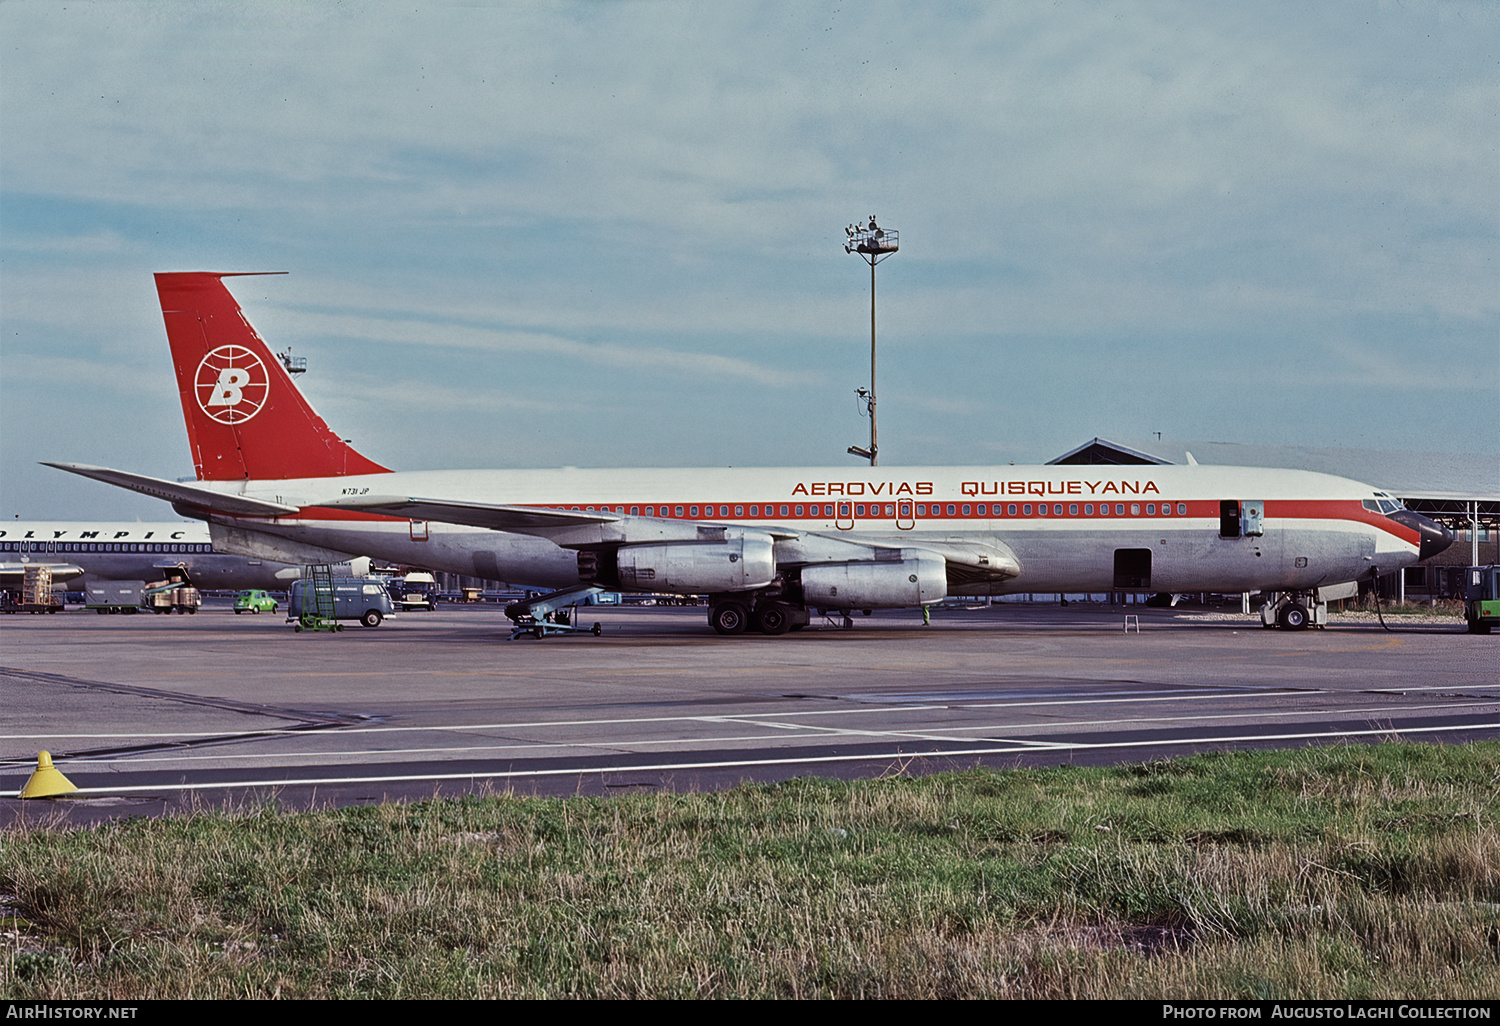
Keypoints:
pixel 1088 509
pixel 1119 509
pixel 783 511
pixel 950 509
pixel 1182 509
pixel 921 509
pixel 739 511
pixel 1150 509
pixel 1072 509
pixel 679 511
pixel 799 511
pixel 1041 509
pixel 1135 509
pixel 1026 510
pixel 1010 510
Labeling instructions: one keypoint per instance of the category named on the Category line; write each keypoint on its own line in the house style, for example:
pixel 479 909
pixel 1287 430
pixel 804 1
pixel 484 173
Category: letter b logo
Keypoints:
pixel 231 384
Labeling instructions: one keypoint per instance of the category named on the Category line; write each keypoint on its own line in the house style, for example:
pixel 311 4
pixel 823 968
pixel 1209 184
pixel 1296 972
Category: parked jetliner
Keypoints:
pixel 765 544
pixel 90 551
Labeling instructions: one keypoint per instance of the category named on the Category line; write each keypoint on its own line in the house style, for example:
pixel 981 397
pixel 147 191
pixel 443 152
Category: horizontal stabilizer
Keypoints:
pixel 179 493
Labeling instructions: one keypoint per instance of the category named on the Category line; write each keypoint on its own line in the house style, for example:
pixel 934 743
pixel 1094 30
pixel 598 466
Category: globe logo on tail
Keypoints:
pixel 231 385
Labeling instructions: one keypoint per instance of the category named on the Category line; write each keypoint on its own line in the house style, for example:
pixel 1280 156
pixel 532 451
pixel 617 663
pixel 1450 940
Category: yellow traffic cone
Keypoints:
pixel 46 781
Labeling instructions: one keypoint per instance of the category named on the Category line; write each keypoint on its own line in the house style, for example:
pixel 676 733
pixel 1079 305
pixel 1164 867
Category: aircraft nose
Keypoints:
pixel 1434 537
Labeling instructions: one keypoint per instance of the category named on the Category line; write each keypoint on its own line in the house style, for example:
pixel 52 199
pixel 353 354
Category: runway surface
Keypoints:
pixel 152 714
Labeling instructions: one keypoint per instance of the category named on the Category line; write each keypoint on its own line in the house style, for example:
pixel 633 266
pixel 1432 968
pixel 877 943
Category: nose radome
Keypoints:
pixel 1433 537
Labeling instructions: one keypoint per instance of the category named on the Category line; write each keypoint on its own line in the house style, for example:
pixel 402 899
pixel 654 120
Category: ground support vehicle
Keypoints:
pixel 35 596
pixel 114 596
pixel 171 597
pixel 417 590
pixel 352 598
pixel 551 614
pixel 1482 598
pixel 255 601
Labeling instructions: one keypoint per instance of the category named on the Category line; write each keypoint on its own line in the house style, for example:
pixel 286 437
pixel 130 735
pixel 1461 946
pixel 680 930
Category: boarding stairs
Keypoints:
pixel 317 600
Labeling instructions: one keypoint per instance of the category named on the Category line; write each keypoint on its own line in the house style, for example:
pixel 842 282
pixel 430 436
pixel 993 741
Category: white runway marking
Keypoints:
pixel 1385 732
pixel 951 733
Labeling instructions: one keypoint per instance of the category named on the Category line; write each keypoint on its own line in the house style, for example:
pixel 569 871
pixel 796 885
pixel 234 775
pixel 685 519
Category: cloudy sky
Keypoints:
pixel 610 234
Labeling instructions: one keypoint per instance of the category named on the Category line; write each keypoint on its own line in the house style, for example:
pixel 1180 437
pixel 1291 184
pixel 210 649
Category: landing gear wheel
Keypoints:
pixel 1293 616
pixel 597 629
pixel 729 617
pixel 371 618
pixel 773 619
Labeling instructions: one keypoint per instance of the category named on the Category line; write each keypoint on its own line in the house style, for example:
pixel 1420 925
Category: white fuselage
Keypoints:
pixel 1065 525
pixel 133 551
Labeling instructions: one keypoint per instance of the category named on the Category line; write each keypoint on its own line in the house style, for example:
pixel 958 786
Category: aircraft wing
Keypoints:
pixel 568 528
pixel 180 493
pixel 515 519
pixel 970 563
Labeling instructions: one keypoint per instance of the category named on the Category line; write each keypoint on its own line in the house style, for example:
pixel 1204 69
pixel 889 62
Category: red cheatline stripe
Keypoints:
pixel 1276 509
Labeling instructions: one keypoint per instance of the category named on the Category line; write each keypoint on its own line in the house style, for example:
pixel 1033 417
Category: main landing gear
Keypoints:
pixel 737 614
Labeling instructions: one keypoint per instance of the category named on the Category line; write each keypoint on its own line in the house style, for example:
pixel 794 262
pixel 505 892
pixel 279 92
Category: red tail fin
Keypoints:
pixel 245 418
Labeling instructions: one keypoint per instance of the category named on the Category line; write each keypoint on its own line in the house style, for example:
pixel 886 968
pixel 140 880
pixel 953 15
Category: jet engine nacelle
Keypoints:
pixel 743 561
pixel 876 585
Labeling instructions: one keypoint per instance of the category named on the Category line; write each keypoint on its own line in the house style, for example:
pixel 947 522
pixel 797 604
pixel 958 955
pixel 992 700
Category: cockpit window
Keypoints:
pixel 1382 505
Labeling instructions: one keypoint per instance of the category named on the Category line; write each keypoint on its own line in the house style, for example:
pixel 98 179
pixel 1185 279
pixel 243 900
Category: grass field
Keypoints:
pixel 1346 872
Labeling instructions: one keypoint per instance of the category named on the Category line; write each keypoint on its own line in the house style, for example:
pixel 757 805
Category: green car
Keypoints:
pixel 254 602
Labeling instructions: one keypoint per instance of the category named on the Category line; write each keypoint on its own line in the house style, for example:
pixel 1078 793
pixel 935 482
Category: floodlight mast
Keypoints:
pixel 873 244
